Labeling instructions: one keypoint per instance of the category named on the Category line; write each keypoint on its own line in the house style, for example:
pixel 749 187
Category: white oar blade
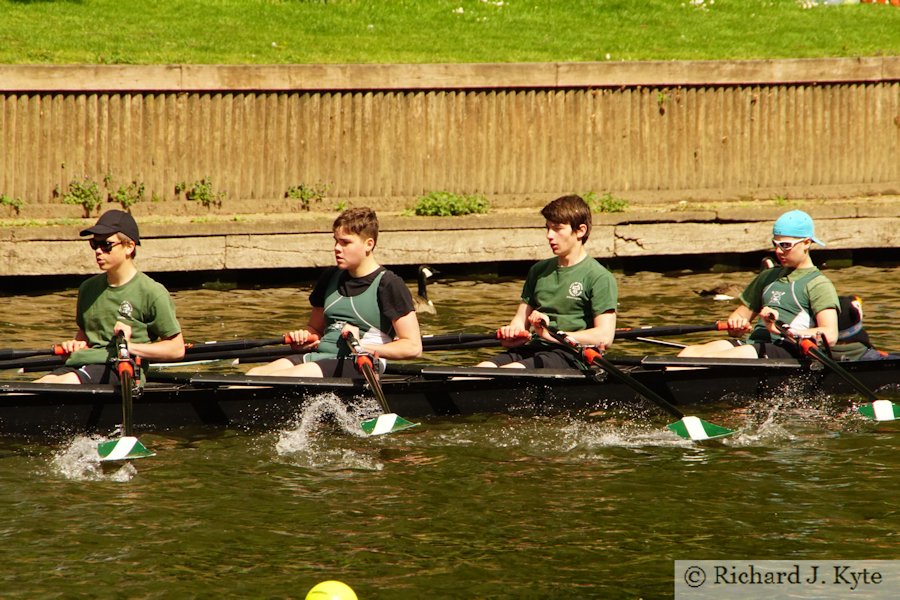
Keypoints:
pixel 693 428
pixel 386 423
pixel 124 448
pixel 881 410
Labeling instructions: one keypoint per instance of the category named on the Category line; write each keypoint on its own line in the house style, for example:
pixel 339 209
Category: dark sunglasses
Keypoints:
pixel 105 246
pixel 786 246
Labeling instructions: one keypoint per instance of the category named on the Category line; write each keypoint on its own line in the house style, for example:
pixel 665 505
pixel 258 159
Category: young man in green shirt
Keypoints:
pixel 796 293
pixel 121 299
pixel 571 291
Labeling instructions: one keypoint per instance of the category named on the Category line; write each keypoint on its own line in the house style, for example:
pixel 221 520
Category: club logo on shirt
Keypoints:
pixel 125 309
pixel 775 298
pixel 575 290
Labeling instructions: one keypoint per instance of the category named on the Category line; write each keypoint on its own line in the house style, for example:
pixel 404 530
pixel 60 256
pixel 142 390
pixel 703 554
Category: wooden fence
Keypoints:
pixel 388 131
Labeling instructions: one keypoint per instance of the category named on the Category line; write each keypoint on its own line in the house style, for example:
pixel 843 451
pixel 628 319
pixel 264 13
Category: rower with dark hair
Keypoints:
pixel 571 291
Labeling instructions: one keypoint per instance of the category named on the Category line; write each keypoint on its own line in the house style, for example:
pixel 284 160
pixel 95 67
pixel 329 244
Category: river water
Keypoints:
pixel 489 506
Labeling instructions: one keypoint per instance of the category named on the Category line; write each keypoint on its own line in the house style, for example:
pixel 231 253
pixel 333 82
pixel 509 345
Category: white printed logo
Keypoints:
pixel 775 298
pixel 575 290
pixel 125 309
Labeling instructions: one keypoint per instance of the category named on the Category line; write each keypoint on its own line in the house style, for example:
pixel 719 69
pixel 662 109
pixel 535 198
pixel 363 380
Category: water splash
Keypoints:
pixel 79 461
pixel 307 443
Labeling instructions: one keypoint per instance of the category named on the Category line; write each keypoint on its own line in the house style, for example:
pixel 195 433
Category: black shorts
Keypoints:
pixel 337 367
pixel 93 374
pixel 537 358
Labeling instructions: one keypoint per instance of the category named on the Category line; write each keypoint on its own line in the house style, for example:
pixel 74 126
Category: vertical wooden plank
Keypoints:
pixel 14 141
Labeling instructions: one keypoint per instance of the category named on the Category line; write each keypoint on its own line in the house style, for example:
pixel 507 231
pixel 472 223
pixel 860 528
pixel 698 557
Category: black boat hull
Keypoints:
pixel 197 399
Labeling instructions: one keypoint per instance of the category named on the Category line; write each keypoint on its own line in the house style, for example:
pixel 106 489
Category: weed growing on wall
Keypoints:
pixel 128 195
pixel 607 203
pixel 448 204
pixel 201 191
pixel 15 203
pixel 307 194
pixel 84 193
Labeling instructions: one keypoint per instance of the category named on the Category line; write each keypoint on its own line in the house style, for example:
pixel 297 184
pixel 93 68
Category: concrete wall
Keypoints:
pixel 291 241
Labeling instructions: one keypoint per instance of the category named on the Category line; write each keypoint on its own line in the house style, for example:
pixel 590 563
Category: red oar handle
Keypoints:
pixel 721 325
pixel 59 351
pixel 522 334
pixel 591 355
pixel 309 339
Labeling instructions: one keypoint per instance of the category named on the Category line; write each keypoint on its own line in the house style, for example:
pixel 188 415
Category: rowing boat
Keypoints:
pixel 183 399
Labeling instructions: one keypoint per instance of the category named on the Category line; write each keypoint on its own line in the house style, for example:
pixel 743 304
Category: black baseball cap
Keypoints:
pixel 115 221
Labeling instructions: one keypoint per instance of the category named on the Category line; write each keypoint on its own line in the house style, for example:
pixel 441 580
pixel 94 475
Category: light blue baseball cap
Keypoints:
pixel 796 224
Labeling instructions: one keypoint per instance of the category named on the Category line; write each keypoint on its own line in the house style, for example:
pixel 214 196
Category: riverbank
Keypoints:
pixel 224 240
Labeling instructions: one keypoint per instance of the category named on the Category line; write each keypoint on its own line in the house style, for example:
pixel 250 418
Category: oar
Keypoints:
pixel 15 354
pixel 633 333
pixel 690 428
pixel 126 447
pixel 450 341
pixel 205 348
pixel 877 409
pixel 387 422
pixel 33 363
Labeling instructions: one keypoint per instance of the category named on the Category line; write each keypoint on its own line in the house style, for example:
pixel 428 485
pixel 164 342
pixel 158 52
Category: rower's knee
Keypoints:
pixel 67 378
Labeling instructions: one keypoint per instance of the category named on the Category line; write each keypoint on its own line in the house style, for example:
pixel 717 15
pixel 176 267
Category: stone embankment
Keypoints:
pixel 225 240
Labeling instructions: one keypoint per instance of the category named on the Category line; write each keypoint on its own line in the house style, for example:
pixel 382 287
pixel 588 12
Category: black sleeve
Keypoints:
pixel 317 297
pixel 394 297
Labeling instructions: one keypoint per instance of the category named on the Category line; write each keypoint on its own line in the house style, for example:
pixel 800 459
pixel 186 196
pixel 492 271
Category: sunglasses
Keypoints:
pixel 105 246
pixel 786 246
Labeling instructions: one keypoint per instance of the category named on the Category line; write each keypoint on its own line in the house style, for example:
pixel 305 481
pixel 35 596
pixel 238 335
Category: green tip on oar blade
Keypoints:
pixel 386 423
pixel 881 410
pixel 124 448
pixel 692 428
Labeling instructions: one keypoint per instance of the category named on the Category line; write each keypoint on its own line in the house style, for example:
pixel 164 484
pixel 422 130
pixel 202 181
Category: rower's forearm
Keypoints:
pixel 397 350
pixel 593 337
pixel 163 350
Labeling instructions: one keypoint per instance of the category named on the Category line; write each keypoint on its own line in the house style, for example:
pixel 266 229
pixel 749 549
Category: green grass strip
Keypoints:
pixel 425 31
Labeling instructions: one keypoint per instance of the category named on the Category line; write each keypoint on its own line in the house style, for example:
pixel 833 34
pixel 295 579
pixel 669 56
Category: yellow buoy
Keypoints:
pixel 331 590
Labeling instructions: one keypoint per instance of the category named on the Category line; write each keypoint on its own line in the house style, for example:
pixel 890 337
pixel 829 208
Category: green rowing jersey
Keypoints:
pixel 570 296
pixel 797 294
pixel 141 303
pixel 362 310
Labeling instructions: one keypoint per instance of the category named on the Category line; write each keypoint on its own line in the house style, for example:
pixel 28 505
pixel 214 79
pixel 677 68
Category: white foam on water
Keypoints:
pixel 311 441
pixel 79 461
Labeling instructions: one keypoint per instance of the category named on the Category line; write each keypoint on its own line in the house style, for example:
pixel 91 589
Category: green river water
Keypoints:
pixel 490 506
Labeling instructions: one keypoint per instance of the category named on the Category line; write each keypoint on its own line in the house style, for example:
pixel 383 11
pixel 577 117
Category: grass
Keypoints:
pixel 423 31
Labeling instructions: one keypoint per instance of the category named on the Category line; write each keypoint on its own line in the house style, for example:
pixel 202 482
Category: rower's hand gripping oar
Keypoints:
pixel 687 427
pixel 877 409
pixel 127 446
pixel 387 422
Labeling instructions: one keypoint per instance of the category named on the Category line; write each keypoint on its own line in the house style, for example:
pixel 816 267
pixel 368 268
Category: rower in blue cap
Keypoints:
pixel 794 292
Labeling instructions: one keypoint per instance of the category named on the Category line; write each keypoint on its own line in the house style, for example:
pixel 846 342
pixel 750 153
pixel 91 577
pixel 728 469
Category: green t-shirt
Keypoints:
pixel 142 303
pixel 570 296
pixel 774 288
